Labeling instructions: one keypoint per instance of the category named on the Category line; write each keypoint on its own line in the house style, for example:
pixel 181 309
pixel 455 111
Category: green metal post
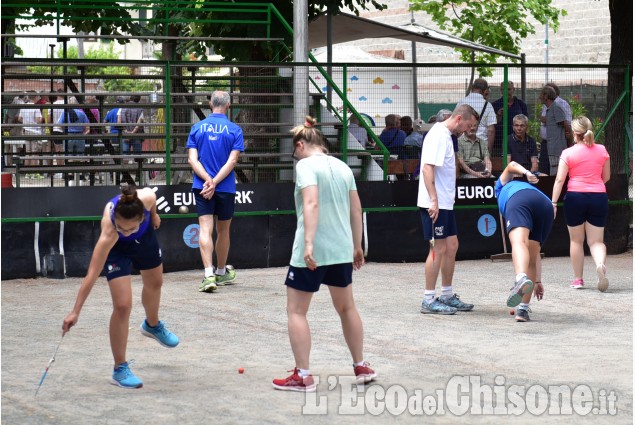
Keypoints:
pixel 627 89
pixel 344 120
pixel 505 114
pixel 168 119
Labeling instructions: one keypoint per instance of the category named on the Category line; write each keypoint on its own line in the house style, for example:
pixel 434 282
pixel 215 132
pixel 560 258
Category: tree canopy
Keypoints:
pixel 501 24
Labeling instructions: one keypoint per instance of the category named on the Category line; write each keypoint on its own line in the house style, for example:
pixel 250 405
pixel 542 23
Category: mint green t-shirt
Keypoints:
pixel 333 242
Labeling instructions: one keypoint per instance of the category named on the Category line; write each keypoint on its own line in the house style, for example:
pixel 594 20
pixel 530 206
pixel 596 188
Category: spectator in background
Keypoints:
pixel 566 108
pixel 358 132
pixel 557 128
pixel 405 124
pixel 131 118
pixel 392 136
pixel 30 117
pixel 75 120
pixel 415 138
pixel 56 130
pixel 112 118
pixel 515 106
pixel 46 131
pixel 473 156
pixel 487 117
pixel 522 148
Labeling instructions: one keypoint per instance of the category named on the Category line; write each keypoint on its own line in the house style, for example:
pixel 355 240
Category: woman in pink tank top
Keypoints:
pixel 586 203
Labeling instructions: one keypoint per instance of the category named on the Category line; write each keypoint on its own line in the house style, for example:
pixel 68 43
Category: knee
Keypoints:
pixel 122 309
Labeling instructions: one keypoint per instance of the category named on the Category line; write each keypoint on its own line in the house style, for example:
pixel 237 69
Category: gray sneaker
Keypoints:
pixel 455 302
pixel 522 287
pixel 436 307
pixel 522 315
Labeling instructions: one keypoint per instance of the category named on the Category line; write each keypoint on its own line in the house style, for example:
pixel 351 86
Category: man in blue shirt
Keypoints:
pixel 528 220
pixel 392 136
pixel 213 148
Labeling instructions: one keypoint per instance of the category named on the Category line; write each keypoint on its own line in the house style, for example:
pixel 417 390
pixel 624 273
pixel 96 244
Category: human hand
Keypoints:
pixel 539 290
pixel 531 177
pixel 358 258
pixel 69 321
pixel 308 256
pixel 156 221
pixel 433 211
pixel 208 189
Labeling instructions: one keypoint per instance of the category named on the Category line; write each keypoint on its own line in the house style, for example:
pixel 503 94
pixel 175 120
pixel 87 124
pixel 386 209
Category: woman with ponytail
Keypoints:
pixel 586 204
pixel 326 249
pixel 127 240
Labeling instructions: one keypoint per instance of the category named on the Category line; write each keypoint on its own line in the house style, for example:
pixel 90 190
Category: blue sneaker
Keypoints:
pixel 522 287
pixel 436 307
pixel 123 377
pixel 160 333
pixel 455 302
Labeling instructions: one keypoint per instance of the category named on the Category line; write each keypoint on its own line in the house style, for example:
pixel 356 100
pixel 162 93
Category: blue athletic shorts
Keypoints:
pixel 143 253
pixel 303 279
pixel 221 204
pixel 444 227
pixel 581 206
pixel 530 209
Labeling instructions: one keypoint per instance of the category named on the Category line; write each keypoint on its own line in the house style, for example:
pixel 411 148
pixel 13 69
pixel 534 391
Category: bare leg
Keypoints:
pixel 351 322
pixel 449 260
pixel 576 250
pixel 595 239
pixel 519 238
pixel 206 245
pixel 222 242
pixel 433 263
pixel 151 293
pixel 299 333
pixel 121 293
pixel 534 260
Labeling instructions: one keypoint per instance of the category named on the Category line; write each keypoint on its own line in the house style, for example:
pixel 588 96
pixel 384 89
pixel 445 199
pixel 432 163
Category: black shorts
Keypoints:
pixel 303 279
pixel 444 227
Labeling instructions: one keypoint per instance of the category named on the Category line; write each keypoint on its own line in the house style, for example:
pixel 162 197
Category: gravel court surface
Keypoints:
pixel 575 338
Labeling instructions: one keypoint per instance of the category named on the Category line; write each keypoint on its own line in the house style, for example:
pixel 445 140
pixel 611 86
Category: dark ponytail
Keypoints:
pixel 129 205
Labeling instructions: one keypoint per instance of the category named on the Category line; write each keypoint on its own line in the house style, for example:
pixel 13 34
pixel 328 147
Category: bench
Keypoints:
pixel 402 167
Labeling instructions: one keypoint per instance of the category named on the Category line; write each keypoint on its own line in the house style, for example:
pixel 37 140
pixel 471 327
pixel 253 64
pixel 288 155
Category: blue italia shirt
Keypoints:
pixel 215 138
pixel 503 193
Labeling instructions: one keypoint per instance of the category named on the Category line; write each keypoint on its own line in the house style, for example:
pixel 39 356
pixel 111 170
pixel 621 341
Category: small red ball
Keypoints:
pixel 512 312
pixel 241 370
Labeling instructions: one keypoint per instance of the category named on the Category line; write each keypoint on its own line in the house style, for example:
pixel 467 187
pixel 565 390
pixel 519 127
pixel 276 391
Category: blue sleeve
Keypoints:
pixel 191 139
pixel 239 142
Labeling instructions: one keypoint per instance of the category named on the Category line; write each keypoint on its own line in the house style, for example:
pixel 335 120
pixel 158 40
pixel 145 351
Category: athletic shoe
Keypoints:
pixel 123 377
pixel 295 383
pixel 364 373
pixel 436 307
pixel 208 284
pixel 603 282
pixel 160 333
pixel 522 315
pixel 455 302
pixel 577 284
pixel 523 286
pixel 227 279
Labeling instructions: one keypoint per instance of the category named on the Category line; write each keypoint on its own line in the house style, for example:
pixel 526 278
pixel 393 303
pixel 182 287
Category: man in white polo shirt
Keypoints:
pixel 487 116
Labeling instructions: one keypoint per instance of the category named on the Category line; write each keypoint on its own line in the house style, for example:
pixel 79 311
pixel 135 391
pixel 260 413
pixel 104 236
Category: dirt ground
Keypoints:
pixel 440 367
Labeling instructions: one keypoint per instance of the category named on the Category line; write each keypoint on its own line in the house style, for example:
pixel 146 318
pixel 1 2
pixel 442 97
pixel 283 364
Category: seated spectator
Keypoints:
pixel 416 137
pixel 406 124
pixel 522 148
pixel 515 106
pixel 359 132
pixel 473 156
pixel 392 137
pixel 30 116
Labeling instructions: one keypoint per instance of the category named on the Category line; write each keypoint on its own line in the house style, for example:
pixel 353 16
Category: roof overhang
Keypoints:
pixel 347 28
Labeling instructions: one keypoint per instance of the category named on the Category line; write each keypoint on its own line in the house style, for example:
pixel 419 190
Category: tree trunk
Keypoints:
pixel 621 54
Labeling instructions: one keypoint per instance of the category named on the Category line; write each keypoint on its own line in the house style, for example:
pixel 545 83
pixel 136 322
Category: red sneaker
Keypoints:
pixel 364 373
pixel 295 383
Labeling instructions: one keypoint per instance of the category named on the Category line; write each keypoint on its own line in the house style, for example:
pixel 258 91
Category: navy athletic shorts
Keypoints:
pixel 221 204
pixel 444 227
pixel 532 210
pixel 303 279
pixel 582 206
pixel 143 253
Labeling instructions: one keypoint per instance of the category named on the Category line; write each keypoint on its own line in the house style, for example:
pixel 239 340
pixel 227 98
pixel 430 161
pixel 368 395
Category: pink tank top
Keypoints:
pixel 585 167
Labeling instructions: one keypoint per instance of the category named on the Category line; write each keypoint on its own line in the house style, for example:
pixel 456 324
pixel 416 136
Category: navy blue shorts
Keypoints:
pixel 221 204
pixel 444 227
pixel 143 253
pixel 530 209
pixel 581 206
pixel 303 279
